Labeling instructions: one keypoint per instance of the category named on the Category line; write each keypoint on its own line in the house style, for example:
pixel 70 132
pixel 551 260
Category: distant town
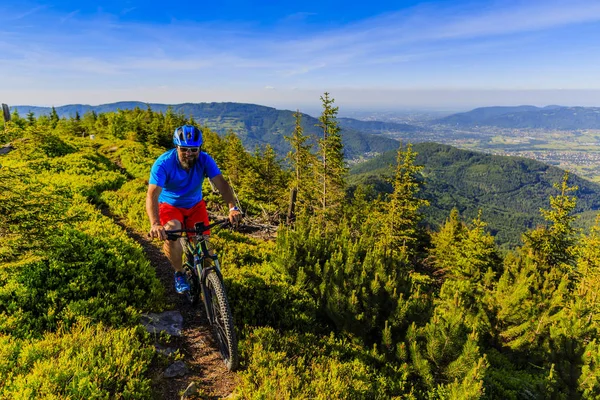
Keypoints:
pixel 577 150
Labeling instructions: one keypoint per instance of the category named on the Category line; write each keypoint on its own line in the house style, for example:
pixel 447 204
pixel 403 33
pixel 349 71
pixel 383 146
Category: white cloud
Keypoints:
pixel 27 13
pixel 68 16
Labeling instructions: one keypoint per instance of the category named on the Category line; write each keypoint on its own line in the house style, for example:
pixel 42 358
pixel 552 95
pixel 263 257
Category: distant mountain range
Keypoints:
pixel 508 190
pixel 255 124
pixel 550 118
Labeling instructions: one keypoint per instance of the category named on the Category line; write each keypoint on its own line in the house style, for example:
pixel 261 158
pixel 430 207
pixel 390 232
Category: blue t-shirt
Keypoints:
pixel 181 188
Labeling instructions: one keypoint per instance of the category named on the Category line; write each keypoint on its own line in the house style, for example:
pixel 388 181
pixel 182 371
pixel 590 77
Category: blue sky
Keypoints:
pixel 411 54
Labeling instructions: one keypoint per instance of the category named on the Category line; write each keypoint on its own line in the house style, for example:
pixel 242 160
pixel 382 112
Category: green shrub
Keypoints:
pixel 129 202
pixel 88 362
pixel 259 301
pixel 305 366
pixel 91 269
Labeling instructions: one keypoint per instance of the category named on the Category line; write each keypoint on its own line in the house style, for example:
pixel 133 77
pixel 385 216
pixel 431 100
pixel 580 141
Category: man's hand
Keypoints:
pixel 235 216
pixel 158 231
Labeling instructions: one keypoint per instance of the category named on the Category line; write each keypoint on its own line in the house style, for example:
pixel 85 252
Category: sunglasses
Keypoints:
pixel 189 149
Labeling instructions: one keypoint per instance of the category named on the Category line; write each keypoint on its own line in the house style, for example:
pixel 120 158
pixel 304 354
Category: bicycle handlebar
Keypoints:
pixel 199 229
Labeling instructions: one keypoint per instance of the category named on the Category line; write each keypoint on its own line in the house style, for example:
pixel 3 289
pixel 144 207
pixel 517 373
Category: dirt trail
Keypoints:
pixel 197 345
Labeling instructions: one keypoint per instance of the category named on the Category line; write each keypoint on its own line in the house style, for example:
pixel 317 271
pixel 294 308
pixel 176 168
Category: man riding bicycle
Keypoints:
pixel 175 192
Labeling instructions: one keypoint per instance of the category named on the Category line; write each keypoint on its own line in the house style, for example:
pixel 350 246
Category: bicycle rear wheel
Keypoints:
pixel 223 320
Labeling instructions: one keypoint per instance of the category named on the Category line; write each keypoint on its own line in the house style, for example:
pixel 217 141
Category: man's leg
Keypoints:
pixel 170 217
pixel 196 214
pixel 172 248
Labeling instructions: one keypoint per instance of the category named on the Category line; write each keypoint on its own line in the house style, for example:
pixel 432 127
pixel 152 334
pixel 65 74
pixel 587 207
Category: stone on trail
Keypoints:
pixel 170 322
pixel 166 351
pixel 178 368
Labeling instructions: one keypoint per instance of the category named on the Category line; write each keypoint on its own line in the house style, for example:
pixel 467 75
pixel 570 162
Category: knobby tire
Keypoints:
pixel 223 323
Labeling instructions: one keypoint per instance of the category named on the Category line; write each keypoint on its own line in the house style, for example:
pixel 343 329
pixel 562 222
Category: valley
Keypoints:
pixel 576 150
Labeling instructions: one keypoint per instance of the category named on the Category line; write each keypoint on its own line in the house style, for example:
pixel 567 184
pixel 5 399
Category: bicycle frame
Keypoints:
pixel 200 252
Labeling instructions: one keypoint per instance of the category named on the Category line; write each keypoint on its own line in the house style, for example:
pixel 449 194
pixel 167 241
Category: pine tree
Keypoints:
pixel 272 191
pixel 74 127
pixel 213 145
pixel 54 117
pixel 536 289
pixel 468 260
pixel 401 223
pixel 88 123
pixel 303 163
pixel 238 168
pixel 448 348
pixel 332 169
pixel 16 119
pixel 31 118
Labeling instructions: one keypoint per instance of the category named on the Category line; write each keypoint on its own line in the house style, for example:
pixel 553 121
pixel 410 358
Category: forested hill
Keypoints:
pixel 508 190
pixel 550 117
pixel 354 299
pixel 255 124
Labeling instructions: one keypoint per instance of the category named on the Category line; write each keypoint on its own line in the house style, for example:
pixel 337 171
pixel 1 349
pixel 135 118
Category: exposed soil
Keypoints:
pixel 197 345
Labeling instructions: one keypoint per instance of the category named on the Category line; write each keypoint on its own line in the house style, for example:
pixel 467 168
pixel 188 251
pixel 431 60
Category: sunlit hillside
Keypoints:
pixel 354 298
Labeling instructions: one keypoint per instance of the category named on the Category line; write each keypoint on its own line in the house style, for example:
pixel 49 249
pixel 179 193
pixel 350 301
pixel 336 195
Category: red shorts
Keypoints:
pixel 167 212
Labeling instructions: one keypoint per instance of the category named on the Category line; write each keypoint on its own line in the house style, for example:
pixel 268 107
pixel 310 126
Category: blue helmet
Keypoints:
pixel 187 136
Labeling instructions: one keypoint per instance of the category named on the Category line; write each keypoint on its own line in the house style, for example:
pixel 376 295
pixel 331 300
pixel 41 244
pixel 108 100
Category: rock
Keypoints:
pixel 191 390
pixel 167 351
pixel 170 322
pixel 6 149
pixel 178 368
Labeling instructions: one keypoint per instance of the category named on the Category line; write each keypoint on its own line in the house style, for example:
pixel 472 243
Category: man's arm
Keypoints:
pixel 227 194
pixel 156 229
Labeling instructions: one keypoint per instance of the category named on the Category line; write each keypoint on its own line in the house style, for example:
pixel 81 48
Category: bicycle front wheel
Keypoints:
pixel 223 320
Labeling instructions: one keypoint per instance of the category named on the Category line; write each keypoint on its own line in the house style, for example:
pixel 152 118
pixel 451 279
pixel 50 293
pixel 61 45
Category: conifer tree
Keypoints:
pixel 240 172
pixel 213 145
pixel 31 118
pixel 172 120
pixel 536 289
pixel 54 117
pixel 16 119
pixel 274 181
pixel 448 348
pixel 332 169
pixel 74 126
pixel 401 224
pixel 303 163
pixel 469 261
pixel 574 337
pixel 159 135
pixel 88 122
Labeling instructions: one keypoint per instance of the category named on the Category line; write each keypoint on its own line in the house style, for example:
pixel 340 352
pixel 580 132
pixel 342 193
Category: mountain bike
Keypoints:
pixel 203 273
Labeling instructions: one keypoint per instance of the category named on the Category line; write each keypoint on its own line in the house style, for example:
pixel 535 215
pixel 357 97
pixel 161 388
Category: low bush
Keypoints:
pixel 87 362
pixel 284 365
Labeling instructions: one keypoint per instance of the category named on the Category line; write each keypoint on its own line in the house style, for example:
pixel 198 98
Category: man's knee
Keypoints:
pixel 172 225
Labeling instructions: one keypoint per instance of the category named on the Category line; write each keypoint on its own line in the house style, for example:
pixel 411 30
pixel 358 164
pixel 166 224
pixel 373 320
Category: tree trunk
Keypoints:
pixel 291 216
